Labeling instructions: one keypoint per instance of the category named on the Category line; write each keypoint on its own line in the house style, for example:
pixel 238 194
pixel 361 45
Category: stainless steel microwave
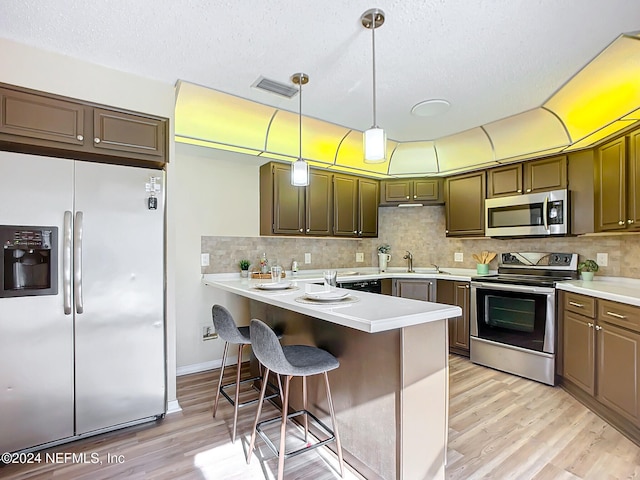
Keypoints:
pixel 529 215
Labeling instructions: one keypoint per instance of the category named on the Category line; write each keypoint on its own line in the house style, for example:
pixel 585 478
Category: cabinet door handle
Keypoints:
pixel 307 230
pixel 415 196
pixel 519 190
pixel 598 327
pixel 528 190
pixel 360 232
pixel 300 230
pixel 621 222
pixel 630 221
pixel 355 232
pixel 579 305
pixel 590 325
pixel 407 197
pixel 80 137
pixel 96 140
pixel 617 315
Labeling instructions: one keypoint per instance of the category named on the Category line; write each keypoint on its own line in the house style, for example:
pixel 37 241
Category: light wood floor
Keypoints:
pixel 501 427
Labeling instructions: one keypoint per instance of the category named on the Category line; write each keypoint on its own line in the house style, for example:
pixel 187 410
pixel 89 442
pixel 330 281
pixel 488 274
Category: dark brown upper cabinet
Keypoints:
pixel 416 190
pixel 355 201
pixel 42 123
pixel 289 210
pixel 126 133
pixel 464 204
pixel 611 186
pixel 528 177
pixel 35 117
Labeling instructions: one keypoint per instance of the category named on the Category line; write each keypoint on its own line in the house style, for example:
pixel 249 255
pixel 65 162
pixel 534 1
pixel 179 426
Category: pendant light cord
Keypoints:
pixel 373 42
pixel 300 116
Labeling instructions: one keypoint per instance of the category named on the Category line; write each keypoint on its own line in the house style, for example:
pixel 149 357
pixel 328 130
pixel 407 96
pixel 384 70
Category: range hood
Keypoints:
pixel 600 100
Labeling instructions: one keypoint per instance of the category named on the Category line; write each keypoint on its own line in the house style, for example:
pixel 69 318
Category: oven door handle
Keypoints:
pixel 545 212
pixel 512 288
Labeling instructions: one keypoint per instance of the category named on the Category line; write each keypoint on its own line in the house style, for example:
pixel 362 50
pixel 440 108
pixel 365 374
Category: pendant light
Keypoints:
pixel 375 139
pixel 300 168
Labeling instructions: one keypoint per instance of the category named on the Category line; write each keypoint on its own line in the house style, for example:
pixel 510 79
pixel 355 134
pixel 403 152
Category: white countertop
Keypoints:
pixel 371 313
pixel 617 289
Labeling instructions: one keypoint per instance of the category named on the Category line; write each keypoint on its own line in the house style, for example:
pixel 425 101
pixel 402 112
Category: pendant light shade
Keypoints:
pixel 375 145
pixel 374 139
pixel 300 168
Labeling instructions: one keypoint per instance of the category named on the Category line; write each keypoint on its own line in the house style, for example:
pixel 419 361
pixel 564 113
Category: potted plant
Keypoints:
pixel 244 267
pixel 384 256
pixel 587 269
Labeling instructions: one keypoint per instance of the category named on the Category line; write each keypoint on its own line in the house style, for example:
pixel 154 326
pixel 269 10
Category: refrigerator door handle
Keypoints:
pixel 66 262
pixel 77 263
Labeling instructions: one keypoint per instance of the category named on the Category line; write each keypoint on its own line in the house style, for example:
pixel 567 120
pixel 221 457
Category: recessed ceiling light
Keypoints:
pixel 429 108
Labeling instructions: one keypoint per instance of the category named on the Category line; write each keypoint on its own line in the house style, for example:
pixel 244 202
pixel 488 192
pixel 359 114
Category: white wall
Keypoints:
pixel 62 75
pixel 216 193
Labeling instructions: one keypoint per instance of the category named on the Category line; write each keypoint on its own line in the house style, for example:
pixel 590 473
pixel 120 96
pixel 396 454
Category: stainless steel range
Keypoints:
pixel 513 324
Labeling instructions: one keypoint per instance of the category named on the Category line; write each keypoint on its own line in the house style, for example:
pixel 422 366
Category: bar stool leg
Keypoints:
pixel 236 399
pixel 255 423
pixel 334 424
pixel 224 359
pixel 304 407
pixel 283 427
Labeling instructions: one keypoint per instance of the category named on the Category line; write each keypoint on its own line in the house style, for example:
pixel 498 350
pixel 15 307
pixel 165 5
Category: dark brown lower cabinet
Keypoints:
pixel 601 358
pixel 415 289
pixel 618 370
pixel 456 293
pixel 579 351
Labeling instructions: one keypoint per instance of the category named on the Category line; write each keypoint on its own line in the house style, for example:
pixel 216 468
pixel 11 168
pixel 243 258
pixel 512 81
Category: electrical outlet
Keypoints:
pixel 208 332
pixel 204 259
pixel 458 257
pixel 307 258
pixel 602 259
pixel 359 257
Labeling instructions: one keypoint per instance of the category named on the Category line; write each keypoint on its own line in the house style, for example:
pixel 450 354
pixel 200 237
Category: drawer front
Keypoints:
pixel 581 304
pixel 621 314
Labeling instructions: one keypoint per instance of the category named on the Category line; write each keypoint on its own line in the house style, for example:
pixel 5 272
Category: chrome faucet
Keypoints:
pixel 409 258
pixel 437 267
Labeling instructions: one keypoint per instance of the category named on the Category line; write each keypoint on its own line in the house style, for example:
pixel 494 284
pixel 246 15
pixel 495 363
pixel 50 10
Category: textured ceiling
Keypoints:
pixel 489 58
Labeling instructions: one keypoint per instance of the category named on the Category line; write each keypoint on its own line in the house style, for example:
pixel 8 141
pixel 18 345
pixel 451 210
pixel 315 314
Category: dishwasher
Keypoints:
pixel 372 286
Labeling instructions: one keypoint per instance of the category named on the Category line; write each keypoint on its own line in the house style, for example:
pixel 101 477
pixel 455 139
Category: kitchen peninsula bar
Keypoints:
pixel 391 389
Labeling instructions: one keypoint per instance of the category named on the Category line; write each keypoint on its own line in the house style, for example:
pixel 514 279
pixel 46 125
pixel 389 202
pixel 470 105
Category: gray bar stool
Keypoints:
pixel 299 361
pixel 228 330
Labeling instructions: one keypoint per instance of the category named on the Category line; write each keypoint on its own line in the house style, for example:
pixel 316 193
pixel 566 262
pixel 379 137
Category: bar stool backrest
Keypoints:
pixel 226 326
pixel 267 348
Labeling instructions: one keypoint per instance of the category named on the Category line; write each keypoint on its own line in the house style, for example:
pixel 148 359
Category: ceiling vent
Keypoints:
pixel 271 86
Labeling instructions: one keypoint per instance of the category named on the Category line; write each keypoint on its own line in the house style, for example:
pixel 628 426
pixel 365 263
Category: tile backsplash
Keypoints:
pixel 420 231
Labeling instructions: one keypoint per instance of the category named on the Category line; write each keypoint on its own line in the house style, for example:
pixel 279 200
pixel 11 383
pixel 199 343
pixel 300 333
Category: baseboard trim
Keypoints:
pixel 173 407
pixel 204 366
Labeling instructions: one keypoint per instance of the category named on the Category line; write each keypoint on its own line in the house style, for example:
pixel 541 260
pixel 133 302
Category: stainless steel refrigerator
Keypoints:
pixel 82 318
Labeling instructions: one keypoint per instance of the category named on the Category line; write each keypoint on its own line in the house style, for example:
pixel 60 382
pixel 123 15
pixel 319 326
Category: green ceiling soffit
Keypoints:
pixel 600 100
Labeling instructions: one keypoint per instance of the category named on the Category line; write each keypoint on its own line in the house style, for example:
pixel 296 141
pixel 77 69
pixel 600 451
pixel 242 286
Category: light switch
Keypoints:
pixel 458 257
pixel 307 258
pixel 359 257
pixel 204 259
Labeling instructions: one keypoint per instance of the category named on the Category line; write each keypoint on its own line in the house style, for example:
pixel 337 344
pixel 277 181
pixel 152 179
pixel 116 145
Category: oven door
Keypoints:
pixel 516 315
